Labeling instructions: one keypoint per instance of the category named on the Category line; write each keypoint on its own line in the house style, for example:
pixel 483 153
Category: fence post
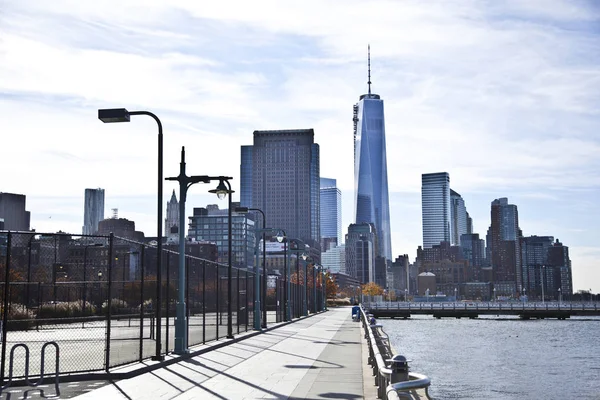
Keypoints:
pixel 237 318
pixel 5 304
pixel 203 301
pixel 109 300
pixel 218 285
pixel 168 298
pixel 142 272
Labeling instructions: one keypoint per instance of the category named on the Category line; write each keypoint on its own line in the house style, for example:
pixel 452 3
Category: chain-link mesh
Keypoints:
pixel 96 297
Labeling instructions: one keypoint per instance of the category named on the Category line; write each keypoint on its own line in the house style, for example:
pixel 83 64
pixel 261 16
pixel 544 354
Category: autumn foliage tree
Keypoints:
pixel 330 286
pixel 372 289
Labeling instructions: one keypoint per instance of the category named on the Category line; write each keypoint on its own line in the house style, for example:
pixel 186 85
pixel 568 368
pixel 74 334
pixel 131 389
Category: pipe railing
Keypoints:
pixel 392 379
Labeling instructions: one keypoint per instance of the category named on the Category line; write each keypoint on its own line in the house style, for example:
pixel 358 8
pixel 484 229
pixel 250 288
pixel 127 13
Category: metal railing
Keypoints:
pixel 484 306
pixel 390 372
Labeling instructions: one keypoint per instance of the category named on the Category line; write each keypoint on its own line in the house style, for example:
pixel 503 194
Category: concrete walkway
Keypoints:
pixel 315 358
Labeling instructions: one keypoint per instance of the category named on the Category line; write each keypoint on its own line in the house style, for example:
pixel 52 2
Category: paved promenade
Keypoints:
pixel 320 357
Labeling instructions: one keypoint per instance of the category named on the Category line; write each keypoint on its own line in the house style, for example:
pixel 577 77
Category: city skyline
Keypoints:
pixel 502 96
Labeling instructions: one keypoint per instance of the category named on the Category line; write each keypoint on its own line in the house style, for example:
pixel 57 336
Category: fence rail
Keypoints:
pixel 96 296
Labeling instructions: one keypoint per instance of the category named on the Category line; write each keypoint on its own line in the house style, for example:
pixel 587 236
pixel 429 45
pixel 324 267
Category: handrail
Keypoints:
pixel 382 372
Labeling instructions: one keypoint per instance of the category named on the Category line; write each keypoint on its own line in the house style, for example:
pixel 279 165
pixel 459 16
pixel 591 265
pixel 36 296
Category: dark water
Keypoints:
pixel 502 358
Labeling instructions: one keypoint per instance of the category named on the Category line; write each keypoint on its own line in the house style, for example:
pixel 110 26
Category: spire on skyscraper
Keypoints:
pixel 369 66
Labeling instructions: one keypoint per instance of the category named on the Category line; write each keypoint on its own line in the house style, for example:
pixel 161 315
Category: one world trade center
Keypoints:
pixel 371 201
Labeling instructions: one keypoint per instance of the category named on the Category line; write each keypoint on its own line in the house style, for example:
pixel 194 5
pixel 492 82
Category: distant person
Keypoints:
pixel 372 321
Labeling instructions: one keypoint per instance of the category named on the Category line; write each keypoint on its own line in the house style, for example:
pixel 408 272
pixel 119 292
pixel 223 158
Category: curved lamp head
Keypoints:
pixel 304 256
pixel 221 190
pixel 280 236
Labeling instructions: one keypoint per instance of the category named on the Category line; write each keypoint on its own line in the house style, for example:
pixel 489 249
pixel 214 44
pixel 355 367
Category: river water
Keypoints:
pixel 502 358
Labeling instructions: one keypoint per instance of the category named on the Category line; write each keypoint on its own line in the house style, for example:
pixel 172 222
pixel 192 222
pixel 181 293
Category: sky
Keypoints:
pixel 502 95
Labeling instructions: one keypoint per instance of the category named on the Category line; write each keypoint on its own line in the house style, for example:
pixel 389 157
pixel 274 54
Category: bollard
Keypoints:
pixel 399 367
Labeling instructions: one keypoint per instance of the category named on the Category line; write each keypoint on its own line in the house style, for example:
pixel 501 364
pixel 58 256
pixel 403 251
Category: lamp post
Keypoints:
pixel 455 298
pixel 257 303
pixel 427 294
pixel 85 269
pixel 297 246
pixel 122 115
pixel 221 191
pixel 306 260
pixel 406 294
pixel 494 295
pixel 314 273
pixel 543 277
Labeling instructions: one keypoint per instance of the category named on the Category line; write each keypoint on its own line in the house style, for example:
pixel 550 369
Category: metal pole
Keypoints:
pixel 84 277
pixel 256 288
pixel 543 276
pixel 314 289
pixel 159 234
pixel 264 291
pixel 305 287
pixel 285 284
pixel 5 304
pixel 298 291
pixel 181 339
pixel 229 268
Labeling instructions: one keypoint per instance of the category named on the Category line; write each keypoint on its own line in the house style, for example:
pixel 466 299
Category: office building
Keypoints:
pixel 436 209
pixel 172 220
pixel 334 259
pixel 361 245
pixel 246 176
pixel 93 210
pixel 331 214
pixel 559 265
pixel 210 224
pixel 12 211
pixel 371 198
pixel 505 246
pixel 534 255
pixel 285 182
pixel 473 250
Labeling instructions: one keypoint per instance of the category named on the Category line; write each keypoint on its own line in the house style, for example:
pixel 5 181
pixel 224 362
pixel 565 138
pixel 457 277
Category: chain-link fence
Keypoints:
pixel 96 297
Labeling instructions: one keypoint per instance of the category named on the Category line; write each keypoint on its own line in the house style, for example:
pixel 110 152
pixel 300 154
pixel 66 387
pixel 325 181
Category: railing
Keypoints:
pixel 503 306
pixel 390 372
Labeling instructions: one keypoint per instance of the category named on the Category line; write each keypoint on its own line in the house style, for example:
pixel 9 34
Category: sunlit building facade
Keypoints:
pixel 436 208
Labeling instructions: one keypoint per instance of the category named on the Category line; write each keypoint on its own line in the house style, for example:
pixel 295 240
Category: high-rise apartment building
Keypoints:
pixel 459 218
pixel 559 265
pixel 93 210
pixel 172 220
pixel 12 210
pixel 331 214
pixel 473 250
pixel 436 208
pixel 371 201
pixel 284 182
pixel 505 246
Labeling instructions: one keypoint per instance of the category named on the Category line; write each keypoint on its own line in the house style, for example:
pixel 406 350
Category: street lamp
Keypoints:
pixel 306 260
pixel 122 115
pixel 221 191
pixel 427 294
pixel 494 295
pixel 264 263
pixel 406 294
pixel 455 298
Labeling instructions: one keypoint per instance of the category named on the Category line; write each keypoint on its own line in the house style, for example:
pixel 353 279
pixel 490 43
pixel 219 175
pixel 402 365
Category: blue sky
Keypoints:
pixel 503 95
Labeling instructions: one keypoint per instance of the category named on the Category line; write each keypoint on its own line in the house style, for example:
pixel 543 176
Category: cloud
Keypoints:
pixel 503 95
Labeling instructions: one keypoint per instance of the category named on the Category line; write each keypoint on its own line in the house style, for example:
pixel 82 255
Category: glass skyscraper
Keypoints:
pixel 371 201
pixel 331 214
pixel 435 204
pixel 459 218
pixel 93 210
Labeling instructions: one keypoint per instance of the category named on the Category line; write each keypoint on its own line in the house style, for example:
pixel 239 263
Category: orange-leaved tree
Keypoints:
pixel 330 286
pixel 372 289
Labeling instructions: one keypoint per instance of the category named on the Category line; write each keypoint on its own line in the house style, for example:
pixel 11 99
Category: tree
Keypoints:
pixel 372 289
pixel 330 286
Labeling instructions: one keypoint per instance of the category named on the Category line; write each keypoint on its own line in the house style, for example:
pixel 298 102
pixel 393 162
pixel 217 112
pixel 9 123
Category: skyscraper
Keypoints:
pixel 459 218
pixel 505 246
pixel 436 209
pixel 172 220
pixel 361 242
pixel 331 214
pixel 371 201
pixel 12 211
pixel 246 177
pixel 284 182
pixel 93 210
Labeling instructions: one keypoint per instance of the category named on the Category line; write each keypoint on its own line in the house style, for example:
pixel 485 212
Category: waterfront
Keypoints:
pixel 502 358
